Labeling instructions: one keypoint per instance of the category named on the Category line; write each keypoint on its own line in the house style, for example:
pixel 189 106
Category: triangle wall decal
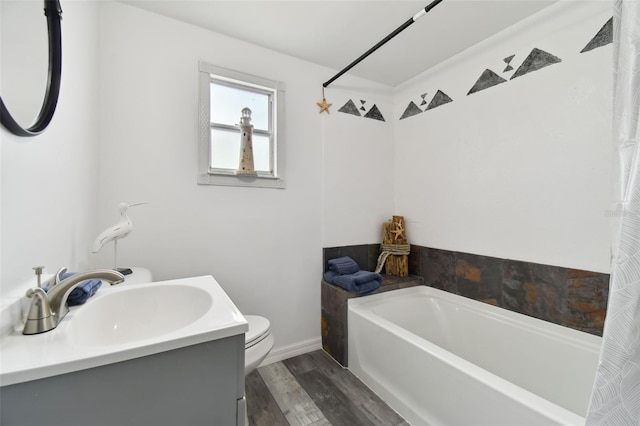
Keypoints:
pixel 536 60
pixel 411 110
pixel 350 108
pixel 602 38
pixel 440 98
pixel 374 113
pixel 487 79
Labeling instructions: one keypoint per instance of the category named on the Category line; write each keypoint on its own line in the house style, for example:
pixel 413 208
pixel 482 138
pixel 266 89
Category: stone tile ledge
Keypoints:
pixel 334 312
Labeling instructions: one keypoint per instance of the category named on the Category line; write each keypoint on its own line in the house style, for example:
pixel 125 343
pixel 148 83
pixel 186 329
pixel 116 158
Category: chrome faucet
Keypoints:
pixel 48 308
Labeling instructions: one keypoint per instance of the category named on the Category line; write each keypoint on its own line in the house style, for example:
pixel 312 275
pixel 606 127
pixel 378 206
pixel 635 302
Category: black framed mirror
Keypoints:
pixel 53 13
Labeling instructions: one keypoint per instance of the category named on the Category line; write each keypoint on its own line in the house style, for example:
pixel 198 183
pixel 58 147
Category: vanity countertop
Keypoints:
pixel 64 350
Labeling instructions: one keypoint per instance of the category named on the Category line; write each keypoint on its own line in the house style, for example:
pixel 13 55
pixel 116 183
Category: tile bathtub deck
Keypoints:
pixel 313 389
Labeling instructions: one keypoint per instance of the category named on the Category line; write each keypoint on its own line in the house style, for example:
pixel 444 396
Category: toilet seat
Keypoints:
pixel 258 342
pixel 259 329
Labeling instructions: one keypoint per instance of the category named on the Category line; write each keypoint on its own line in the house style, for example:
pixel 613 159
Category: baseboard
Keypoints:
pixel 290 351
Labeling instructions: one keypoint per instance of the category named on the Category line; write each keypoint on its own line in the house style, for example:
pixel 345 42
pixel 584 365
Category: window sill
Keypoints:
pixel 236 180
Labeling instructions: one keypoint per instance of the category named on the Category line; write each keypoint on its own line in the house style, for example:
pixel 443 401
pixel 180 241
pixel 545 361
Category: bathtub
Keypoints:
pixel 442 359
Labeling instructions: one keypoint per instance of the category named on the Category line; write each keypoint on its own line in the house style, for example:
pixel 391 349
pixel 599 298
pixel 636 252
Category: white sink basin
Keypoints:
pixel 123 322
pixel 139 313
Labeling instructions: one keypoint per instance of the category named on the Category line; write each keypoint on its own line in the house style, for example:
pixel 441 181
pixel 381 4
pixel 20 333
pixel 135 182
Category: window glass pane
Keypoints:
pixel 261 153
pixel 228 102
pixel 225 149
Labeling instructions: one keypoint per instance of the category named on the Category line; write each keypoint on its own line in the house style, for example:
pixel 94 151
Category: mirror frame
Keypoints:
pixel 53 12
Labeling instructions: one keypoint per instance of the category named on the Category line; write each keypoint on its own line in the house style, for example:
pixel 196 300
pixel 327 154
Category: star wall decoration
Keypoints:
pixel 324 106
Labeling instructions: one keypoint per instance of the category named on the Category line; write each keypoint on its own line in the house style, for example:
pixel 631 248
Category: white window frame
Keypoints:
pixel 210 176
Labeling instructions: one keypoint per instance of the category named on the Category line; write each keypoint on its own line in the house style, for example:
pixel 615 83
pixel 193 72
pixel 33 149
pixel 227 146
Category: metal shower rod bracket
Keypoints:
pixel 397 31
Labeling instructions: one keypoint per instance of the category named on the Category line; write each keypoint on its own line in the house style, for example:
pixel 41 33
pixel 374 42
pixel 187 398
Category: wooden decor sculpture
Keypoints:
pixel 394 250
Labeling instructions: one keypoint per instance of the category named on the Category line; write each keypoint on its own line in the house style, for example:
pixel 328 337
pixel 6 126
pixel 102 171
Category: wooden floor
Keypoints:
pixel 313 389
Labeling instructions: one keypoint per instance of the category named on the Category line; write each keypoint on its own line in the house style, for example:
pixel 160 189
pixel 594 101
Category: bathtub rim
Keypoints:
pixel 364 308
pixel 540 326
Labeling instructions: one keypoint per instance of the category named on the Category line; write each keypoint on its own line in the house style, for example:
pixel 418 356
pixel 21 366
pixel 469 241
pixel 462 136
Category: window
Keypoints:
pixel 223 95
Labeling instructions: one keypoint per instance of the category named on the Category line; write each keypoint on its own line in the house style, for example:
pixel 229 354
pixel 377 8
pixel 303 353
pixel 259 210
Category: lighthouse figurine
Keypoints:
pixel 246 167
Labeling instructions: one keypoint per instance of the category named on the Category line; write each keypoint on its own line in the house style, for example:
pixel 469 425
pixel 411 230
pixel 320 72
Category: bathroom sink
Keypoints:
pixel 137 313
pixel 120 323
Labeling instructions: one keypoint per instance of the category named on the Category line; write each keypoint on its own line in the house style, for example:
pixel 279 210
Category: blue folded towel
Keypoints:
pixel 362 282
pixel 81 293
pixel 343 265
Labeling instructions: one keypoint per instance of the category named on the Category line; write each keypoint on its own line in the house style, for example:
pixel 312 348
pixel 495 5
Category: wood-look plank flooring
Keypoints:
pixel 313 389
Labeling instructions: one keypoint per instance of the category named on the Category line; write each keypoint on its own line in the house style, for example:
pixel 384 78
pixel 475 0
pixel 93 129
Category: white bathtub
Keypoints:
pixel 441 359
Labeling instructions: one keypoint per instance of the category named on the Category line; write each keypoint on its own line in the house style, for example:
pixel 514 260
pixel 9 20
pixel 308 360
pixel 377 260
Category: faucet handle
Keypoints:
pixel 39 270
pixel 40 305
pixel 39 318
pixel 56 277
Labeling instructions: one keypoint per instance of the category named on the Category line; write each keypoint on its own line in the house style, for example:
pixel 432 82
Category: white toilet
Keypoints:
pixel 258 342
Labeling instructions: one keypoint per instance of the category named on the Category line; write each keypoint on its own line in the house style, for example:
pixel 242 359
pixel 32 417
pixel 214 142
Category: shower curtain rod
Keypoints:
pixel 384 40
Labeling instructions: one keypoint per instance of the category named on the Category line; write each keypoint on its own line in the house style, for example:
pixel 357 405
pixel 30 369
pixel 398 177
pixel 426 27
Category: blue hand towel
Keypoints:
pixel 81 293
pixel 362 282
pixel 343 265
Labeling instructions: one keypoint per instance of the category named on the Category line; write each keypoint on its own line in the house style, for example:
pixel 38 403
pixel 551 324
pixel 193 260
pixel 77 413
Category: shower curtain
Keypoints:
pixel 615 399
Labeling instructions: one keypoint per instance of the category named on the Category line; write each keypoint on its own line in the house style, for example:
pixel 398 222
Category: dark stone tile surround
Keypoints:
pixel 334 312
pixel 570 297
pixel 334 299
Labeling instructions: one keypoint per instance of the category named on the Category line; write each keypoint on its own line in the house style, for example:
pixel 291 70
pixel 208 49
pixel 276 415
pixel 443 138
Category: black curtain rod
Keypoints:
pixel 384 40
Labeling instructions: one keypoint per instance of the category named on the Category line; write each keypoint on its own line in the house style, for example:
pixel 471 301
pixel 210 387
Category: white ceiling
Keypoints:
pixel 335 33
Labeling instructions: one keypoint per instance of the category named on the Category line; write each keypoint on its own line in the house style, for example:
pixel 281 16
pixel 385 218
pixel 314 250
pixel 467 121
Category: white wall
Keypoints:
pixel 520 170
pixel 49 182
pixel 358 167
pixel 264 246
